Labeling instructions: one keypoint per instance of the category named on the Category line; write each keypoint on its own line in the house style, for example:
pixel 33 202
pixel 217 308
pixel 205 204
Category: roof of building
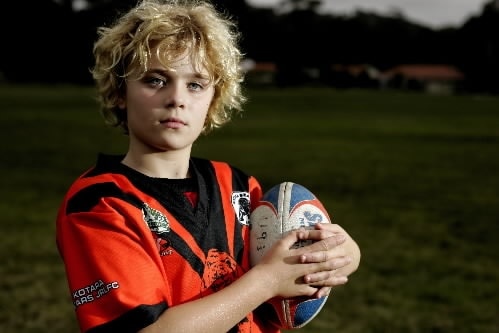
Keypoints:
pixel 426 72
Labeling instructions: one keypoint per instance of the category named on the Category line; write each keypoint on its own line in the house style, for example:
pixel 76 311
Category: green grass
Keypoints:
pixel 414 178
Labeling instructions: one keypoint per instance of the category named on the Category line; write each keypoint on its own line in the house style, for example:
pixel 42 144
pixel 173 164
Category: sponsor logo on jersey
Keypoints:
pixel 155 220
pixel 159 224
pixel 93 292
pixel 241 204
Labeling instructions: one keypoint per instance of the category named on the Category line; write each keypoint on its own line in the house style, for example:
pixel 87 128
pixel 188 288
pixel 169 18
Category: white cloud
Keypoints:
pixel 435 13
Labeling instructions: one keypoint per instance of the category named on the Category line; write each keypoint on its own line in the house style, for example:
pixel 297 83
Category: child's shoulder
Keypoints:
pixel 104 171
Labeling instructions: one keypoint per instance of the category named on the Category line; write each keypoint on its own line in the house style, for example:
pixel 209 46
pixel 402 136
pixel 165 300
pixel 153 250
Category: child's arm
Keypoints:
pixel 280 273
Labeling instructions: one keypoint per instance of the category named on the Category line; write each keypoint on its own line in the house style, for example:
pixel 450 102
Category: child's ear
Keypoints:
pixel 122 103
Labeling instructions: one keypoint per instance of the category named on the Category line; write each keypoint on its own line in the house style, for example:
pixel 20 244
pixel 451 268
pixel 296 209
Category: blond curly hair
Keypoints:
pixel 123 51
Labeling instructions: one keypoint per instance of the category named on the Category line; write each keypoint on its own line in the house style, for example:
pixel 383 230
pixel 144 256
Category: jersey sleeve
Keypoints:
pixel 114 272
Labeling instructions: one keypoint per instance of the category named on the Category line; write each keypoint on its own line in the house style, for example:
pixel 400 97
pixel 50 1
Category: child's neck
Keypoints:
pixel 158 165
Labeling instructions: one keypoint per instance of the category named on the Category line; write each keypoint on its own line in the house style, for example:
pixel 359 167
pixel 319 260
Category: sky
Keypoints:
pixel 432 13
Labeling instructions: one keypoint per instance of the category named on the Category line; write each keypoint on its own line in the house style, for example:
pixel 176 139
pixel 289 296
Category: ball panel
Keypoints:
pixel 305 214
pixel 265 231
pixel 296 312
pixel 306 310
pixel 299 193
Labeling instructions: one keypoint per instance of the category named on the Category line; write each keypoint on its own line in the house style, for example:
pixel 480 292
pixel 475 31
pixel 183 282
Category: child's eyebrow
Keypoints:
pixel 159 71
pixel 165 72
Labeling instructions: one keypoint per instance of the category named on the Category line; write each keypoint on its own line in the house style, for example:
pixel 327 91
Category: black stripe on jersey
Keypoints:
pixel 210 205
pixel 132 321
pixel 239 183
pixel 87 198
pixel 205 222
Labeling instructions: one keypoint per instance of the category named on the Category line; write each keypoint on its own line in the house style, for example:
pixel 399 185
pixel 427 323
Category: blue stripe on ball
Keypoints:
pixel 307 310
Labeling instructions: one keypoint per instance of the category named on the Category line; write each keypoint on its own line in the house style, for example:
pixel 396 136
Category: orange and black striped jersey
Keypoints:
pixel 133 245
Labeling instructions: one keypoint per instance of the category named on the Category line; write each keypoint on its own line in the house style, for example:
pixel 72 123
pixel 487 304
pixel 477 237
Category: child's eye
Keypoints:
pixel 155 81
pixel 195 86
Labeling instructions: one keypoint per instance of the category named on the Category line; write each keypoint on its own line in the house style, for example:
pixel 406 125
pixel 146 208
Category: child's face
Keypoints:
pixel 166 110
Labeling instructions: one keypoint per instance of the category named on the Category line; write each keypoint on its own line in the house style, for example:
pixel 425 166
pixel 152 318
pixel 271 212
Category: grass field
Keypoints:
pixel 414 178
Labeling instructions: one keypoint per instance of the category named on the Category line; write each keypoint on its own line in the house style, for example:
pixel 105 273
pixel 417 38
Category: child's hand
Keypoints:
pixel 338 253
pixel 307 270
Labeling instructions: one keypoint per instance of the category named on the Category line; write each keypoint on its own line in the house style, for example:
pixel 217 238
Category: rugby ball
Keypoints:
pixel 285 207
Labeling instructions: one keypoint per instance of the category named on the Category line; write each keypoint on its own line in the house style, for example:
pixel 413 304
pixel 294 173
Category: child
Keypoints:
pixel 150 240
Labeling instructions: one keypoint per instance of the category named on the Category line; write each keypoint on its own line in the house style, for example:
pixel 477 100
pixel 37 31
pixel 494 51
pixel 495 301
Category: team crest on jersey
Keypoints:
pixel 241 204
pixel 155 220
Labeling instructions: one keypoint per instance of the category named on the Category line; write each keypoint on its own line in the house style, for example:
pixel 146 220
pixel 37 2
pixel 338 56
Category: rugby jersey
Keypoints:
pixel 134 245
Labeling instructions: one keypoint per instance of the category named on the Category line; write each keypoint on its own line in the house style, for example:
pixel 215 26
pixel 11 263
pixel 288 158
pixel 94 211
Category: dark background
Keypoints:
pixel 44 41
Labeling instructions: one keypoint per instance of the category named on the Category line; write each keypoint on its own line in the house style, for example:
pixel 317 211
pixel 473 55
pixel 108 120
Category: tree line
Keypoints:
pixel 45 41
